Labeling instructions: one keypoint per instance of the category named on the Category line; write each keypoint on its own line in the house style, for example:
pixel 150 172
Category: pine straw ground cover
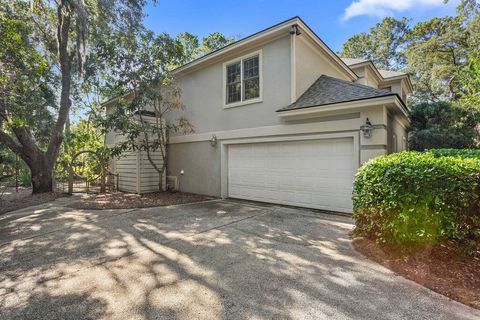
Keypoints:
pixel 11 200
pixel 418 214
pixel 440 268
pixel 121 200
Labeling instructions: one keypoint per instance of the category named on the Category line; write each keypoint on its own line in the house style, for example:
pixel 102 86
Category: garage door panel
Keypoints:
pixel 314 173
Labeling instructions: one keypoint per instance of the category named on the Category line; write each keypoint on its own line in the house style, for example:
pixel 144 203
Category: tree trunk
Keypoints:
pixel 42 176
pixel 42 182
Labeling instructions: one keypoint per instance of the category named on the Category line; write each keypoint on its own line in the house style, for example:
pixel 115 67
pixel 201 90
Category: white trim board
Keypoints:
pixel 286 129
pixel 293 69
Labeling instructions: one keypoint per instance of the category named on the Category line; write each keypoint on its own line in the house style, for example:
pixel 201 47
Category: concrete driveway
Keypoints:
pixel 211 260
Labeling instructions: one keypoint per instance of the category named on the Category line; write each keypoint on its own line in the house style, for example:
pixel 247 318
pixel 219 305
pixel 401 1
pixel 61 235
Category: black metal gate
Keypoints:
pixel 86 173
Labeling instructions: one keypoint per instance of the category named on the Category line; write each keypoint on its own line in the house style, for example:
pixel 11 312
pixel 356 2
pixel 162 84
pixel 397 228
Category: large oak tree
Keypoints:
pixel 43 45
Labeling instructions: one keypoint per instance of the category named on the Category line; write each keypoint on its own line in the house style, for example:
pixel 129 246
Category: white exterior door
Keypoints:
pixel 312 173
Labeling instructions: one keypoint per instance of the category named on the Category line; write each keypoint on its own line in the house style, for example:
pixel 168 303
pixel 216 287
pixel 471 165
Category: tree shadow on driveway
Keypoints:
pixel 211 260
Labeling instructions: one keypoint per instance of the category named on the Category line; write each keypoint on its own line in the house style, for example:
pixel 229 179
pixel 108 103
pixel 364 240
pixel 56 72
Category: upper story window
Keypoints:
pixel 242 80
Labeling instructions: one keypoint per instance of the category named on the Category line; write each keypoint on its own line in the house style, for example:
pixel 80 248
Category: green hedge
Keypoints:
pixel 414 198
pixel 460 153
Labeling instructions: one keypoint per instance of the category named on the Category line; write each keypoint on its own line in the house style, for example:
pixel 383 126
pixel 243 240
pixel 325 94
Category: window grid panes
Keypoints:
pixel 243 80
pixel 234 90
pixel 251 81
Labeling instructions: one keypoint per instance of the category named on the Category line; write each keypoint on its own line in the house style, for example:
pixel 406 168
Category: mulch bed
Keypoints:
pixel 439 268
pixel 12 200
pixel 120 200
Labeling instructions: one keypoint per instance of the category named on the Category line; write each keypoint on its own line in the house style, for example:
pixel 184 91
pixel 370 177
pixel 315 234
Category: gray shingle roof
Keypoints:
pixel 328 90
pixel 384 73
pixel 352 61
pixel 390 73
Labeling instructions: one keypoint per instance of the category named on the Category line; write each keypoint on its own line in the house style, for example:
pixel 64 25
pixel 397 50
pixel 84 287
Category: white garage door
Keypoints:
pixel 312 173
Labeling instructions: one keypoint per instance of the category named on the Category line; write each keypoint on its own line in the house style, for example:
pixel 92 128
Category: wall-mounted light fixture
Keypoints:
pixel 367 129
pixel 294 30
pixel 213 140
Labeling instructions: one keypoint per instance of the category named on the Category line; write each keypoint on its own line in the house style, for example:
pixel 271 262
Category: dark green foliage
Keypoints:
pixel 193 49
pixel 437 53
pixel 24 177
pixel 8 167
pixel 460 153
pixel 413 198
pixel 382 45
pixel 444 125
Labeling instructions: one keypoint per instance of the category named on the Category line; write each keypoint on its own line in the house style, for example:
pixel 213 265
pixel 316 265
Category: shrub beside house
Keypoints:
pixel 416 198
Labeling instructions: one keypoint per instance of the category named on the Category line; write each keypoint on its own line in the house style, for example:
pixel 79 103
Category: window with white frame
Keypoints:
pixel 243 80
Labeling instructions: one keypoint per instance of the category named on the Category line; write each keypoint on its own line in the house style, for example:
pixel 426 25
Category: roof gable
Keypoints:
pixel 383 75
pixel 281 29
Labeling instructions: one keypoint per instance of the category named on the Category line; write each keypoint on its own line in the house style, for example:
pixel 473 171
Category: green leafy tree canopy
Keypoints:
pixel 444 125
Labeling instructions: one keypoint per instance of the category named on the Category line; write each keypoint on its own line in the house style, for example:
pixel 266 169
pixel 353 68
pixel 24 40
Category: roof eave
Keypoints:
pixel 345 105
pixel 405 76
pixel 379 75
pixel 265 34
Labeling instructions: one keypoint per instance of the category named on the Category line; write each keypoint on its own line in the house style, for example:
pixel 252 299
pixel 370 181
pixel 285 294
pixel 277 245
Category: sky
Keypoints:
pixel 334 21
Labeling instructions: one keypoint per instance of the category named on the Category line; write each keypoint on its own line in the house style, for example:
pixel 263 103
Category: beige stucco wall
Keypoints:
pixel 377 144
pixel 310 64
pixel 201 165
pixel 201 162
pixel 371 80
pixel 202 93
pixel 366 76
pixel 396 128
pixel 398 87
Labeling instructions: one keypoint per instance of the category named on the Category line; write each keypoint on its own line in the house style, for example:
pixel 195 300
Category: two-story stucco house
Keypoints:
pixel 280 118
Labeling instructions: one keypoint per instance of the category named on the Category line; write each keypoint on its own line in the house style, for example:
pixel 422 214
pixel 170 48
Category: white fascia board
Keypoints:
pixel 265 34
pixel 235 46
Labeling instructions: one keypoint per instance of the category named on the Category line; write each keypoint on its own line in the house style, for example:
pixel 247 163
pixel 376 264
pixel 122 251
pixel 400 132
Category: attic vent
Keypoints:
pixel 172 183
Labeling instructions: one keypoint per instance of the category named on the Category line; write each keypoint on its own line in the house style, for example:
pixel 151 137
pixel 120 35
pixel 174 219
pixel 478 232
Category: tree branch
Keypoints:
pixel 10 143
pixel 64 20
